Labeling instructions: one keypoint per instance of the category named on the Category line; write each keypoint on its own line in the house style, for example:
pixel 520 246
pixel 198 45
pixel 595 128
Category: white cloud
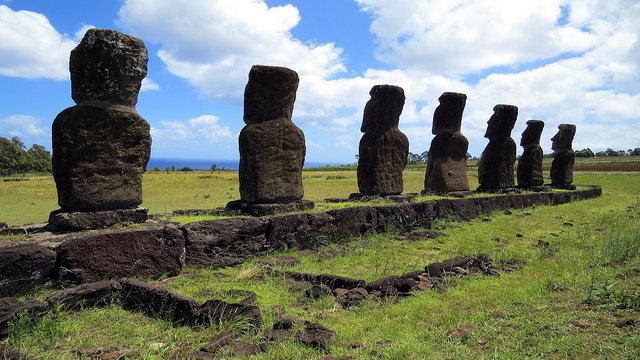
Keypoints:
pixel 31 48
pixel 21 126
pixel 213 44
pixel 203 128
pixel 149 85
pixel 460 37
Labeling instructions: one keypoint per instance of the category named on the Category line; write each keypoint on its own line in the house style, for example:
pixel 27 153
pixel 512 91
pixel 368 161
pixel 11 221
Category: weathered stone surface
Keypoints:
pixel 272 148
pixel 24 267
pixel 159 302
pixel 563 157
pixel 213 312
pixel 99 156
pixel 479 263
pixel 530 164
pixel 399 283
pixel 332 281
pixel 495 169
pixel 352 297
pixel 447 163
pixel 226 242
pixel 11 308
pixel 315 335
pixel 383 148
pixel 80 220
pixel 7 354
pixel 299 231
pixel 108 66
pixel 268 209
pixel 146 253
pixel 270 94
pixel 87 295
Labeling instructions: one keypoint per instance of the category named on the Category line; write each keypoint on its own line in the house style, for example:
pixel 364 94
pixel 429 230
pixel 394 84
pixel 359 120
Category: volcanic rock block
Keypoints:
pixel 24 267
pixel 108 66
pixel 11 309
pixel 530 164
pixel 564 157
pixel 145 253
pixel 101 146
pixel 86 295
pixel 447 162
pixel 272 148
pixel 495 170
pixel 80 220
pixel 226 242
pixel 383 148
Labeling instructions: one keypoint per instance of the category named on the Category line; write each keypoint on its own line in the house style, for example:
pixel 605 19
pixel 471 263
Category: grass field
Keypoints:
pixel 578 297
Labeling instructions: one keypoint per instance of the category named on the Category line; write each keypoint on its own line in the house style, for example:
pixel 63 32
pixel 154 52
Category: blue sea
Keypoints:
pixel 205 164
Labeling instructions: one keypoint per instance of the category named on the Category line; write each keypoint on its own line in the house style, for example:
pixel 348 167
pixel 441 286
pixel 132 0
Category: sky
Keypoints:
pixel 560 61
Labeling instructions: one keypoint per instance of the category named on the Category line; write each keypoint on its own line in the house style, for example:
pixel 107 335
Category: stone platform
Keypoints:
pixel 93 220
pixel 268 209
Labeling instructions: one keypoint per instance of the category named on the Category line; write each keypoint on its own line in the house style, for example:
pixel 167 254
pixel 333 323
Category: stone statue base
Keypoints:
pixel 399 198
pixel 268 209
pixel 94 220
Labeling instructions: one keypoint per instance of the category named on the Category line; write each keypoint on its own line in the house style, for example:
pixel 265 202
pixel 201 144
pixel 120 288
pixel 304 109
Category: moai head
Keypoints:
pixel 501 122
pixel 531 135
pixel 563 139
pixel 448 115
pixel 384 108
pixel 269 94
pixel 108 66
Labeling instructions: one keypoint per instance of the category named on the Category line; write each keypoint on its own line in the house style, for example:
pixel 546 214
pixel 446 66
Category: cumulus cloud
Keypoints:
pixel 213 44
pixel 149 85
pixel 203 128
pixel 21 126
pixel 31 48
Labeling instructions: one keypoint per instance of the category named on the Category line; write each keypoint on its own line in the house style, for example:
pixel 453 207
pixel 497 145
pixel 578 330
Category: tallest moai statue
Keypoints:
pixel 101 146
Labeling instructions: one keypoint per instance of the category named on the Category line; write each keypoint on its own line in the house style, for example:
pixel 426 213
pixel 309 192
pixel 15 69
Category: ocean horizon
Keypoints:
pixel 205 164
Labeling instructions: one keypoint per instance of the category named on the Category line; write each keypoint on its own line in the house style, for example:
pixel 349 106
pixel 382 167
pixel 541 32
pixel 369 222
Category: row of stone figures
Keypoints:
pixel 101 145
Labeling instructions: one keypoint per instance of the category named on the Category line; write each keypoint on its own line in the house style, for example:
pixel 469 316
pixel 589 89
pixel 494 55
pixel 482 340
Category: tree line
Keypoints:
pixel 15 158
pixel 609 152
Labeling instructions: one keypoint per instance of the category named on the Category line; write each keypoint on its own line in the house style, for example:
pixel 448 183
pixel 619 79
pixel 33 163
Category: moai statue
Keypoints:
pixel 101 146
pixel 447 162
pixel 383 148
pixel 495 170
pixel 529 169
pixel 272 147
pixel 563 157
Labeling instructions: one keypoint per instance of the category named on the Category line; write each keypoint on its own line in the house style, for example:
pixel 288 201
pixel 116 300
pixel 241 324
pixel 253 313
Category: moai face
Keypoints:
pixel 501 122
pixel 270 94
pixel 448 115
pixel 384 108
pixel 564 138
pixel 531 135
pixel 108 66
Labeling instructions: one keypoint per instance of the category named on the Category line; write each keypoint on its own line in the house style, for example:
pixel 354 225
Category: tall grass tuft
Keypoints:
pixel 622 241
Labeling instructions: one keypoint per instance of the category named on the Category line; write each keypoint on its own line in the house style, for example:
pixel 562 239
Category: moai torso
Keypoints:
pixel 101 146
pixel 447 162
pixel 495 170
pixel 530 165
pixel 383 148
pixel 272 147
pixel 563 157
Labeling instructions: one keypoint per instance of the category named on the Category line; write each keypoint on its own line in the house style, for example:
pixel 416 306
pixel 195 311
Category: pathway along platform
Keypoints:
pixel 154 252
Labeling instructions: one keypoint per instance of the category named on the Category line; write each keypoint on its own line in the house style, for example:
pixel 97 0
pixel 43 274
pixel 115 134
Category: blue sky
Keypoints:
pixel 561 61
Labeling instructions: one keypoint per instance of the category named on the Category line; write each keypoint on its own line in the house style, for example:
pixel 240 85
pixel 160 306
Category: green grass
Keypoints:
pixel 563 301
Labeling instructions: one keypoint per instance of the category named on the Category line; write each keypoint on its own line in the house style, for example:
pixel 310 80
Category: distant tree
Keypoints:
pixel 634 152
pixel 173 168
pixel 214 167
pixel 167 169
pixel 357 159
pixel 38 159
pixel 468 156
pixel 611 152
pixel 601 154
pixel 586 153
pixel 156 169
pixel 424 156
pixel 17 142
pixel 413 159
pixel 10 155
pixel 186 169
